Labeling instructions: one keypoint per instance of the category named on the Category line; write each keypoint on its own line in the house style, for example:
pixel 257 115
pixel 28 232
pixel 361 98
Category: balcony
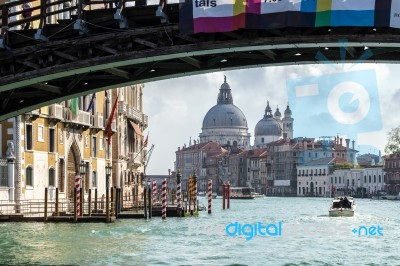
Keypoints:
pixel 98 121
pixel 32 114
pixel 255 168
pixel 56 112
pixel 81 119
pixel 133 114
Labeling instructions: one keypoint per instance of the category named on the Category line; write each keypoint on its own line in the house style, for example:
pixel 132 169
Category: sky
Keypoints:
pixel 321 97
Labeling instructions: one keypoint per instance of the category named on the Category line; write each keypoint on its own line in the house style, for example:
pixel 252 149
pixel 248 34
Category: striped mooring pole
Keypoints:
pixel 164 198
pixel 209 195
pixel 179 194
pixel 78 194
pixel 154 187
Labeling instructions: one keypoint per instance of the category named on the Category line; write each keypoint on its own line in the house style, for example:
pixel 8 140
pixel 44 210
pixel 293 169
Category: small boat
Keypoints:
pixel 258 195
pixel 342 206
pixel 242 193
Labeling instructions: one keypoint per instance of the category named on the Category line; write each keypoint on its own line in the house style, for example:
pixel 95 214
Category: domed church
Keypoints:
pixel 272 127
pixel 225 123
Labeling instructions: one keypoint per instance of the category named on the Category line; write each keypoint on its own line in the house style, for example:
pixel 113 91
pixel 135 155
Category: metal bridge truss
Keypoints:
pixel 98 49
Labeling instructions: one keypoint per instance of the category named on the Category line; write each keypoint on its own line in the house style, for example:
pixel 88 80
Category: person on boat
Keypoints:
pixel 346 203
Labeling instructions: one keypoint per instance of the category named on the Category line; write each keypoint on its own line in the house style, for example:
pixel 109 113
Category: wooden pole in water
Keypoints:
pixel 145 199
pixel 77 194
pixel 107 203
pixel 164 199
pixel 57 212
pixel 81 203
pixel 95 200
pixel 45 204
pixel 150 203
pixel 209 195
pixel 228 192
pixel 116 201
pixel 75 207
pixel 195 192
pixel 90 202
pixel 178 194
pixel 223 196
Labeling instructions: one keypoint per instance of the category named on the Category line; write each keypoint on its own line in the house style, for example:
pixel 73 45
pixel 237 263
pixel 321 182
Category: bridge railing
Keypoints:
pixel 43 12
pixel 51 12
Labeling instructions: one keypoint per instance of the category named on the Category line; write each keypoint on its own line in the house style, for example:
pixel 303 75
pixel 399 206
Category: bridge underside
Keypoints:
pixel 35 73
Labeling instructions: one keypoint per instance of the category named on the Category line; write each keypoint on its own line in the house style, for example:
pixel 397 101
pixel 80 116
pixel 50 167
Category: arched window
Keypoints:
pixel 374 178
pixel 29 176
pixel 94 179
pixel 380 179
pixel 52 177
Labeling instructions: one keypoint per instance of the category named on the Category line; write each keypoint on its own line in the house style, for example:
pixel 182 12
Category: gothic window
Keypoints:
pixel 94 179
pixel 52 178
pixel 29 176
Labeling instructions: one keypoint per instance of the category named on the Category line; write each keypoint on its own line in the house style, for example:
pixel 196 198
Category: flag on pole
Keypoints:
pixel 74 106
pixel 91 104
pixel 111 118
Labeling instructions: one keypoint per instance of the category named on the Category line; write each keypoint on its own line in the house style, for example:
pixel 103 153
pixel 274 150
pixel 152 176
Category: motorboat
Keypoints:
pixel 258 195
pixel 342 206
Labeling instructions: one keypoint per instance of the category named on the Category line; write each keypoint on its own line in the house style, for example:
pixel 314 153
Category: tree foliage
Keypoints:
pixel 344 165
pixel 393 144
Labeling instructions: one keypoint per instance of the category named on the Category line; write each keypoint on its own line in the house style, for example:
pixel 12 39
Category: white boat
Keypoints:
pixel 258 195
pixel 242 193
pixel 342 206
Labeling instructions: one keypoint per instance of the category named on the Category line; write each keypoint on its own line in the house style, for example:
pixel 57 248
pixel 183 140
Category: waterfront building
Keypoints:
pixel 129 144
pixel 257 169
pixel 313 177
pixel 288 154
pixel 360 182
pixel 192 159
pixel 225 123
pixel 392 173
pixel 48 145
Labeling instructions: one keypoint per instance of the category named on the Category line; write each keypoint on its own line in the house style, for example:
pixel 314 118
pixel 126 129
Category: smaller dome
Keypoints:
pixel 268 126
pixel 288 112
pixel 277 113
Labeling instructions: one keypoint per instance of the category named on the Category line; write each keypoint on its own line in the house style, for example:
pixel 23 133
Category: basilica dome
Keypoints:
pixel 224 115
pixel 225 123
pixel 268 127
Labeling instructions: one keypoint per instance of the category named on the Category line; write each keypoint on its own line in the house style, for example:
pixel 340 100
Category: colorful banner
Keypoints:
pixel 228 15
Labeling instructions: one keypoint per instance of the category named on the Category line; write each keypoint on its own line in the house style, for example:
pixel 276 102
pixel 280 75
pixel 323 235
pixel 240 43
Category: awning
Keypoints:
pixel 137 130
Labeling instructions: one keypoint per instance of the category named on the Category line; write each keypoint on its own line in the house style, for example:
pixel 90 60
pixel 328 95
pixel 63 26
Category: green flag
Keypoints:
pixel 74 106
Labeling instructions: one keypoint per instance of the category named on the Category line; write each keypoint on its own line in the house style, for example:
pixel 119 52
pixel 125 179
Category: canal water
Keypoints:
pixel 290 231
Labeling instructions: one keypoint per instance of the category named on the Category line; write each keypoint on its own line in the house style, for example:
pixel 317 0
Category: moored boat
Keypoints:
pixel 242 193
pixel 342 206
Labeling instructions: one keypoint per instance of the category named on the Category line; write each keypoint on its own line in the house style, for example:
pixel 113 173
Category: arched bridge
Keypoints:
pixel 78 47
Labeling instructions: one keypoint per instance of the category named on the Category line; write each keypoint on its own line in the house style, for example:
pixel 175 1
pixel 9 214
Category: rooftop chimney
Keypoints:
pixel 341 141
pixel 352 142
pixel 347 143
